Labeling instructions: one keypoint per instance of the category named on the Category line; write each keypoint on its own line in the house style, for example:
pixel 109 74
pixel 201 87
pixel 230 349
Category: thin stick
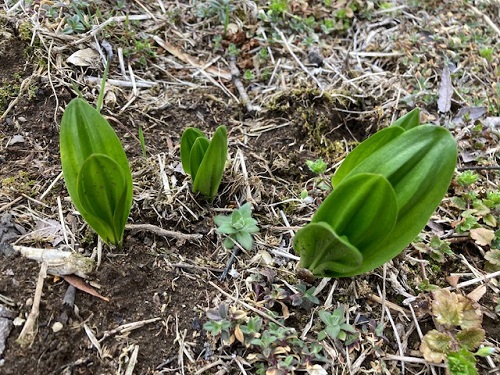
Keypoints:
pixel 8 205
pixel 120 83
pixel 50 186
pixel 30 329
pixel 235 75
pixel 162 232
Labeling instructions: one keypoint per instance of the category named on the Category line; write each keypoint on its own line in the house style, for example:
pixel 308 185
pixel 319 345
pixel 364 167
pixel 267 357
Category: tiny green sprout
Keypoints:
pixel 204 159
pixel 239 227
pixel 317 166
pixel 467 178
pixel 487 54
pixel 383 194
pixel 143 142
pixel 248 75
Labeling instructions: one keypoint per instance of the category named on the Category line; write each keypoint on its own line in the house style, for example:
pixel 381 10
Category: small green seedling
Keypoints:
pixel 459 333
pixel 96 169
pixel 336 326
pixel 383 194
pixel 204 160
pixel 317 166
pixel 239 227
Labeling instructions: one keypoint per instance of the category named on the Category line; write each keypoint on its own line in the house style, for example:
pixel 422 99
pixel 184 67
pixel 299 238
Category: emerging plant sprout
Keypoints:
pixel 96 170
pixel 204 159
pixel 239 227
pixel 383 194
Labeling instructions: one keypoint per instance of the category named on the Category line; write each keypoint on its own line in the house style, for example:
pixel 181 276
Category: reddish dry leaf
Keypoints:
pixel 79 283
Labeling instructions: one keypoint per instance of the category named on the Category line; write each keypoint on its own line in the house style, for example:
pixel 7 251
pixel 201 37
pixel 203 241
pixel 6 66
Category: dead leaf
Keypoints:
pixel 47 230
pixel 477 293
pixel 79 283
pixel 482 236
pixel 445 91
pixel 84 57
pixel 453 280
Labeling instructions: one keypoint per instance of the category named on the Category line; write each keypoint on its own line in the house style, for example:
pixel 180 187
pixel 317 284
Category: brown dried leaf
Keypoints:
pixel 477 293
pixel 239 334
pixel 445 91
pixel 482 236
pixel 435 345
pixel 80 283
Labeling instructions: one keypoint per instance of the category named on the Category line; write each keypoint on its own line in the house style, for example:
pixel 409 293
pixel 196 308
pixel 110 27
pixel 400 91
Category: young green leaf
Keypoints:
pixel 187 141
pixel 102 189
pixel 84 133
pixel 419 165
pixel 204 159
pixel 211 169
pixel 409 121
pixel 365 212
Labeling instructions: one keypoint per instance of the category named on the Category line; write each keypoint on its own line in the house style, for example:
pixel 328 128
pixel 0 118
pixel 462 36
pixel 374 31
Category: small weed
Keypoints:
pixel 457 335
pixel 239 227
pixel 317 166
pixel 336 326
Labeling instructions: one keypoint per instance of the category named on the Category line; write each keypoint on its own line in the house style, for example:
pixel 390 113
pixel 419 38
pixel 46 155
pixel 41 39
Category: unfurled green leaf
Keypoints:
pixel 204 159
pixel 88 142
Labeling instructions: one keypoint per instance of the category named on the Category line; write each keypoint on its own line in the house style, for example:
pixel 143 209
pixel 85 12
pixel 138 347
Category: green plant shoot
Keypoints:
pixel 96 170
pixel 239 227
pixel 204 159
pixel 384 193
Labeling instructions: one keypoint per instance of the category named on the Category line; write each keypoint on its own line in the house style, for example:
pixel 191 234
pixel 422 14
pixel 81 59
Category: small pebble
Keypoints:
pixel 56 327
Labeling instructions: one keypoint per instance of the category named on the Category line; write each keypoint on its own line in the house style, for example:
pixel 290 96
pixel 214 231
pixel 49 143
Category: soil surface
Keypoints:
pixel 156 292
